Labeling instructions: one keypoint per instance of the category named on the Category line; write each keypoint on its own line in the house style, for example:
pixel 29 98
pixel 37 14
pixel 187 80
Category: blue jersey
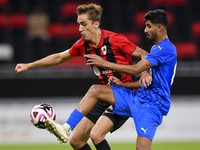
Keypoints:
pixel 163 58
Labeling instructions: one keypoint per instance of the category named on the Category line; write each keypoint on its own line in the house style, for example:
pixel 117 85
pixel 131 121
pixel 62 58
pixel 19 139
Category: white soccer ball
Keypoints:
pixel 40 113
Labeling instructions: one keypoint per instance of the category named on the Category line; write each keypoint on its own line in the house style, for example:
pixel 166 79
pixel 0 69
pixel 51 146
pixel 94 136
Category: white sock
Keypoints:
pixel 67 127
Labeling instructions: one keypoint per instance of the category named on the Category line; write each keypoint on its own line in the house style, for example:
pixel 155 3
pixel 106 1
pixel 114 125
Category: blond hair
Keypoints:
pixel 94 11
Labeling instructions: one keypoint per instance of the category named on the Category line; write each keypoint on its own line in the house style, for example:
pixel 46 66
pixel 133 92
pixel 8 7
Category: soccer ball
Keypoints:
pixel 40 113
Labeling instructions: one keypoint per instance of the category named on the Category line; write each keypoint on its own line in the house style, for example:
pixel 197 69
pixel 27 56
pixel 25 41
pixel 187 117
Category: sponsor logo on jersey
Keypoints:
pixel 107 71
pixel 96 71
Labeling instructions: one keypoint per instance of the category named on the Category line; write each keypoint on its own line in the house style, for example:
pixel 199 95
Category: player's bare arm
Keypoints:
pixel 146 78
pixel 131 85
pixel 134 70
pixel 139 53
pixel 50 60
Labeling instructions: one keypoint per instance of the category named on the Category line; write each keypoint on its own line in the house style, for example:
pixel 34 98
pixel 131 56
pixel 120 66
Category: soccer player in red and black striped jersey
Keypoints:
pixel 110 46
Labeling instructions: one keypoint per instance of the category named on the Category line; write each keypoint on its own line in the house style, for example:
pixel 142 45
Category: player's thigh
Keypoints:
pixel 82 130
pixel 104 93
pixel 101 128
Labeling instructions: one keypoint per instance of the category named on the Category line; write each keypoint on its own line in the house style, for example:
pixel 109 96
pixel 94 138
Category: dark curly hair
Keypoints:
pixel 157 16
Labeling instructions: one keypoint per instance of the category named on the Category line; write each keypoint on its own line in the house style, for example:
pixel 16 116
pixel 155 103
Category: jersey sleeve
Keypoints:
pixel 158 56
pixel 77 48
pixel 121 43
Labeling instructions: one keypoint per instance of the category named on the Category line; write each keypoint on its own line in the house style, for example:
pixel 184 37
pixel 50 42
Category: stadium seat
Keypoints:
pixel 3 3
pixel 55 30
pixel 70 30
pixel 68 9
pixel 138 19
pixel 171 18
pixel 168 2
pixel 186 50
pixel 195 29
pixel 3 20
pixel 133 37
pixel 17 20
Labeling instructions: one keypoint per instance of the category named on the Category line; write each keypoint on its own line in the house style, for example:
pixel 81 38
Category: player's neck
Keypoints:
pixel 96 39
pixel 160 38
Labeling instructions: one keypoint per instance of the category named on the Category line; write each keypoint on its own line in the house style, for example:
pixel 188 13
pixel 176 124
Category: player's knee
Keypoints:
pixel 95 137
pixel 96 89
pixel 74 143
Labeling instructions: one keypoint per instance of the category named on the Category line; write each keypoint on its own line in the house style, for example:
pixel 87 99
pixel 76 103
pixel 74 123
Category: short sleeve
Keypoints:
pixel 77 48
pixel 157 56
pixel 121 43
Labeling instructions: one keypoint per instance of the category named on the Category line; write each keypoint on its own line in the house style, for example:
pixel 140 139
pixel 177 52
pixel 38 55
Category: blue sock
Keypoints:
pixel 74 118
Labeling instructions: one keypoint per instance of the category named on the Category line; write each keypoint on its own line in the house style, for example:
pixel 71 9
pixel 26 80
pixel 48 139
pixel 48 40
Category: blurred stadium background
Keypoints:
pixel 33 29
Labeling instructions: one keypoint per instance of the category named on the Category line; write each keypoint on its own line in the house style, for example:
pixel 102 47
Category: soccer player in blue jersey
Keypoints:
pixel 148 104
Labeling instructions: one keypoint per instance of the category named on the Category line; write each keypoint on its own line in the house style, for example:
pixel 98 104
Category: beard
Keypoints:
pixel 153 37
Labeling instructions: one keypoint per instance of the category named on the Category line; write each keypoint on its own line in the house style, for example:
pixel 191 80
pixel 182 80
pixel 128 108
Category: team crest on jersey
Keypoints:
pixel 104 49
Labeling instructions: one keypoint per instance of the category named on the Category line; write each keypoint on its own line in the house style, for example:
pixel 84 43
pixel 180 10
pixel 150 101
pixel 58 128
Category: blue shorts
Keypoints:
pixel 146 116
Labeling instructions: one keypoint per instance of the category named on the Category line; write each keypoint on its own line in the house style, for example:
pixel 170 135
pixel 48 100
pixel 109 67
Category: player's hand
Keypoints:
pixel 94 60
pixel 114 81
pixel 145 79
pixel 21 67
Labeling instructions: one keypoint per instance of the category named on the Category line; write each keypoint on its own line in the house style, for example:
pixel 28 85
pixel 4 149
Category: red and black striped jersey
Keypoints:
pixel 113 47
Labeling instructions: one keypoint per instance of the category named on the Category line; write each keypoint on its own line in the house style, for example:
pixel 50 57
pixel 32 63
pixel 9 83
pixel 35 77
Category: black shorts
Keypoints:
pixel 103 108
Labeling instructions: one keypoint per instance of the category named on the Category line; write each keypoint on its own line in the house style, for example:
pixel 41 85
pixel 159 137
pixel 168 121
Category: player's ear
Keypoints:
pixel 96 24
pixel 160 28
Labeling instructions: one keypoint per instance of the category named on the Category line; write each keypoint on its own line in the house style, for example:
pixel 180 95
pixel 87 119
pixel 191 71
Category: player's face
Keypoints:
pixel 151 30
pixel 86 27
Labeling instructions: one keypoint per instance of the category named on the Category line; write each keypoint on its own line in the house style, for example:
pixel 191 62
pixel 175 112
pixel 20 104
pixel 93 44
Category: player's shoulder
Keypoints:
pixel 165 48
pixel 114 37
pixel 112 34
pixel 167 44
pixel 79 43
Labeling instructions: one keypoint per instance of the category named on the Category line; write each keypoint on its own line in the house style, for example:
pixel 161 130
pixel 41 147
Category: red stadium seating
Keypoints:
pixel 3 20
pixel 58 30
pixel 171 18
pixel 168 2
pixel 68 9
pixel 195 29
pixel 70 30
pixel 17 20
pixel 186 50
pixel 3 3
pixel 133 37
pixel 138 19
pixel 55 30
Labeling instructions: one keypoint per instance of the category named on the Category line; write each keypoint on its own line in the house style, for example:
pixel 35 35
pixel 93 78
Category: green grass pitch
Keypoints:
pixel 114 146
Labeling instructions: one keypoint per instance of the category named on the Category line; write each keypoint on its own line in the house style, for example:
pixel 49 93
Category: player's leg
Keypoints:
pixel 81 135
pixel 107 122
pixel 147 118
pixel 99 131
pixel 143 143
pixel 94 94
